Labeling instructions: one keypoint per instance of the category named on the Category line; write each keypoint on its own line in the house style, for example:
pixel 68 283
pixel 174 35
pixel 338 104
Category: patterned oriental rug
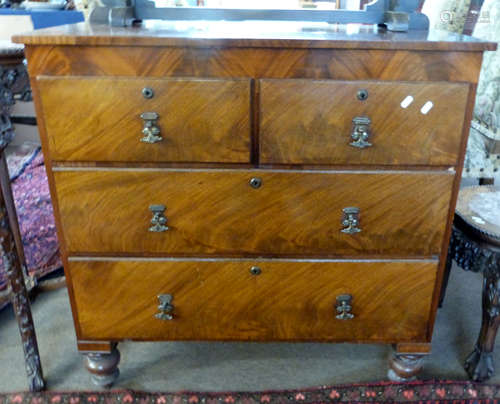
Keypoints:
pixel 34 210
pixel 429 392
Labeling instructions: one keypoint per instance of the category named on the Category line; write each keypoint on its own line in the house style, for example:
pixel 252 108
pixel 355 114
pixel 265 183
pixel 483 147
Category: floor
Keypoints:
pixel 236 366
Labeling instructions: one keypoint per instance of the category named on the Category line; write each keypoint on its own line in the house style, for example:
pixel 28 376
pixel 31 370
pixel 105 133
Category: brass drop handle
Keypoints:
pixel 150 129
pixel 361 132
pixel 343 307
pixel 158 221
pixel 165 308
pixel 350 220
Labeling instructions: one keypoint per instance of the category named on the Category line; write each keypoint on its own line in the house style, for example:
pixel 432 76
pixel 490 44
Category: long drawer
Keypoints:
pixel 253 212
pixel 234 300
pixel 325 122
pixel 146 120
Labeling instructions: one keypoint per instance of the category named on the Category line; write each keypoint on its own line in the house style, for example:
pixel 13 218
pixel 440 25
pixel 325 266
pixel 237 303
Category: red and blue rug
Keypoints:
pixel 429 392
pixel 35 215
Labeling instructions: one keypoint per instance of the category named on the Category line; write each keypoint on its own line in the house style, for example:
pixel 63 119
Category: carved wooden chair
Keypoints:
pixel 14 81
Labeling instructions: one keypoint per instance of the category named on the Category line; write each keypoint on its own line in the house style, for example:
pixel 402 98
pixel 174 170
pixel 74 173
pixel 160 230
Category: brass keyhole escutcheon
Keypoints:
pixel 362 95
pixel 256 182
pixel 255 270
pixel 148 93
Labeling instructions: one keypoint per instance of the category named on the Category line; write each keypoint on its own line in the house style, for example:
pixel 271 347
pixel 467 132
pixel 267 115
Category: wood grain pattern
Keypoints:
pixel 413 348
pixel 254 34
pixel 217 212
pixel 94 346
pixel 310 122
pixel 200 120
pixel 337 64
pixel 222 300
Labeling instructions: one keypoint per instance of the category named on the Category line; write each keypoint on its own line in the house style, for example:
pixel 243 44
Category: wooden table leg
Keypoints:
pixel 20 298
pixel 479 364
pixel 14 83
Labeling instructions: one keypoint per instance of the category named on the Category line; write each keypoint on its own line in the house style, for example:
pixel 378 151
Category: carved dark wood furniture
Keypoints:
pixel 14 83
pixel 475 246
pixel 292 186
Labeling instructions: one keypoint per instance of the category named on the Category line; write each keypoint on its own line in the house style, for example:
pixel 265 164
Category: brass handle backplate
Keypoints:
pixel 165 308
pixel 361 132
pixel 350 220
pixel 158 221
pixel 150 129
pixel 343 307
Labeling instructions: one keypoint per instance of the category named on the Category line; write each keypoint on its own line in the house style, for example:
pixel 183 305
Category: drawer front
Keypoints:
pixel 223 300
pixel 311 122
pixel 100 119
pixel 219 212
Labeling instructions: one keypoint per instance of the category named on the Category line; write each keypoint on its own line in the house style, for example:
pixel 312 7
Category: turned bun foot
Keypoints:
pixel 479 365
pixel 404 367
pixel 103 367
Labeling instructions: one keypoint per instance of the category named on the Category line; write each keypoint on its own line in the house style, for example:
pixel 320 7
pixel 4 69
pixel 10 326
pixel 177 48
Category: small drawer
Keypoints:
pixel 242 212
pixel 259 300
pixel 146 120
pixel 361 123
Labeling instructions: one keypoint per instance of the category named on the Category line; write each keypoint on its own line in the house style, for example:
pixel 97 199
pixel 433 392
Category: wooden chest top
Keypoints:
pixel 253 34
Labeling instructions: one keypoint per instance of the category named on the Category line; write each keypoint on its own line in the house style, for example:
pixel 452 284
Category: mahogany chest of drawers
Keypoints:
pixel 290 188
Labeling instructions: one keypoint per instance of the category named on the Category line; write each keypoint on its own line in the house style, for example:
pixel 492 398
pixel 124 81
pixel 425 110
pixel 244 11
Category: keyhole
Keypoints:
pixel 255 182
pixel 148 92
pixel 362 95
pixel 255 270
